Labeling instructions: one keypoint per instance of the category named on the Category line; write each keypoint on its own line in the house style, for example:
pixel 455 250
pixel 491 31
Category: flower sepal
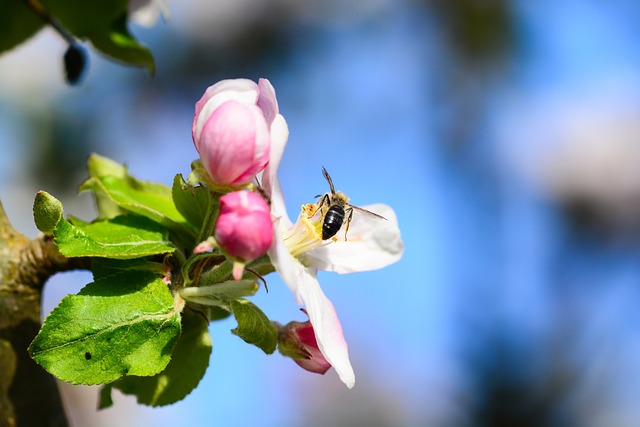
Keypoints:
pixel 199 175
pixel 219 294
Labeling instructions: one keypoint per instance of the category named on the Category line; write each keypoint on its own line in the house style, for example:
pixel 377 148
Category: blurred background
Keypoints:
pixel 505 134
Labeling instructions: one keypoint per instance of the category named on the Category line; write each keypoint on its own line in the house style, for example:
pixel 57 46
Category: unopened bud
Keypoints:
pixel 244 229
pixel 232 130
pixel 298 341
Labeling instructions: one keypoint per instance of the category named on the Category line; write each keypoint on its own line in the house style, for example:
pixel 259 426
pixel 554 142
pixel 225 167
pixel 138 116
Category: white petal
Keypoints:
pixel 267 100
pixel 289 268
pixel 327 328
pixel 372 243
pixel 279 209
pixel 303 283
pixel 147 12
pixel 279 136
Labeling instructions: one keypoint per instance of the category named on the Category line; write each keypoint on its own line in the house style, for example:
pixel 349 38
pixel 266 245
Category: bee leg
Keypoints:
pixel 325 199
pixel 346 230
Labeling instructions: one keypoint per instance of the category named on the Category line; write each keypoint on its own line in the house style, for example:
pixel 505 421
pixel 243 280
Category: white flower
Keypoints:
pixel 298 252
pixel 147 12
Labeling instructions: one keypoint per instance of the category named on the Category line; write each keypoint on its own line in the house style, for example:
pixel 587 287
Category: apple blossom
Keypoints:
pixel 229 136
pixel 298 251
pixel 244 229
pixel 234 125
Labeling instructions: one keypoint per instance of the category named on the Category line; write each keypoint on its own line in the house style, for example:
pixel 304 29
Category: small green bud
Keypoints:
pixel 47 212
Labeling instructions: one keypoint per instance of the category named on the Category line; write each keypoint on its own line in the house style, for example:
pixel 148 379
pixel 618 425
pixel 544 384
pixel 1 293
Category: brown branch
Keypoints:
pixel 28 395
pixel 38 9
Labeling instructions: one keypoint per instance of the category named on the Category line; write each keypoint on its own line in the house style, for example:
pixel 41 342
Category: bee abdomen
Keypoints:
pixel 332 221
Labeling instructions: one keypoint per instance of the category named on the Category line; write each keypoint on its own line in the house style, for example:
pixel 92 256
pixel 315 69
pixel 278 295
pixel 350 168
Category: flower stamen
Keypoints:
pixel 306 233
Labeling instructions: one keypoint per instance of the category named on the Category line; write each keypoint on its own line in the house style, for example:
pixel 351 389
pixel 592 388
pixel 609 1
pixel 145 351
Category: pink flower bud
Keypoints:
pixel 234 144
pixel 232 130
pixel 244 229
pixel 298 341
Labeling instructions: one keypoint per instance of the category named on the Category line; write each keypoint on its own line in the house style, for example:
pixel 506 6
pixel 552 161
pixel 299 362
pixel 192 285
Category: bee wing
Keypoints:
pixel 366 212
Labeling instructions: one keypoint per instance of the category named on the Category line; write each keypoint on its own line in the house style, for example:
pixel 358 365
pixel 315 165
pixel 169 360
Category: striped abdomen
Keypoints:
pixel 332 221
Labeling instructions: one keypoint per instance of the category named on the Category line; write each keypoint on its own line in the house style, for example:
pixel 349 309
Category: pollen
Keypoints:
pixel 306 233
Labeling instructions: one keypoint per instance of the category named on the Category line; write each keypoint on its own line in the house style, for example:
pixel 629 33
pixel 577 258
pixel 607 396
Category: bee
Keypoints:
pixel 339 210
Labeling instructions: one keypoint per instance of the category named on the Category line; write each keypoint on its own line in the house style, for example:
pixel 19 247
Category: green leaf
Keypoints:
pixel 104 398
pixel 261 266
pixel 197 176
pixel 102 267
pixel 47 212
pixel 254 327
pixel 188 364
pixel 192 202
pixel 150 199
pixel 215 274
pixel 122 237
pixel 104 23
pixel 214 265
pixel 220 293
pixel 215 312
pixel 126 324
pixel 103 166
pixel 18 23
pixel 116 191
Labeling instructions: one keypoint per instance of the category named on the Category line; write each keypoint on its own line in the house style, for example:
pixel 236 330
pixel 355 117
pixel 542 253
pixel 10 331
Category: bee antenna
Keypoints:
pixel 328 178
